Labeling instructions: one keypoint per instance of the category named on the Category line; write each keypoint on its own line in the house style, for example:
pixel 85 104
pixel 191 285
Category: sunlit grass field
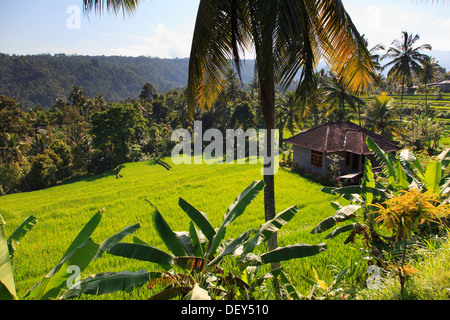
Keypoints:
pixel 63 210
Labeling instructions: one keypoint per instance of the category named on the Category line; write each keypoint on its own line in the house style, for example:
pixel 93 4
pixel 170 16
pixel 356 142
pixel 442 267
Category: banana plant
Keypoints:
pixel 194 267
pixel 7 251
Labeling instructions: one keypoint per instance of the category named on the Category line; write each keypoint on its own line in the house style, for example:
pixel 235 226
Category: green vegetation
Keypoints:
pixel 63 210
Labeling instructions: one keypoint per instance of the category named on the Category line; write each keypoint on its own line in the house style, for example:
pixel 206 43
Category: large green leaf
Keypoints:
pixel 382 157
pixel 142 252
pixel 56 280
pixel 343 214
pixel 295 251
pixel 167 235
pixel 402 182
pixel 350 193
pixel 85 233
pixel 433 176
pixel 199 218
pixel 7 286
pixel 20 232
pixel 268 229
pixel 368 183
pixel 197 240
pixel 242 201
pixel 340 230
pixel 230 248
pixel 235 210
pixel 113 240
pixel 107 282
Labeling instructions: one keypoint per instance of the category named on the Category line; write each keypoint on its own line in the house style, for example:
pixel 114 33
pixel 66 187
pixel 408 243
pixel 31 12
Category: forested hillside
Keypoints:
pixel 41 79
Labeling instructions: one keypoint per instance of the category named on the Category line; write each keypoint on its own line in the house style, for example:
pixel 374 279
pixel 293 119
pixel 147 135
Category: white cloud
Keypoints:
pixel 161 42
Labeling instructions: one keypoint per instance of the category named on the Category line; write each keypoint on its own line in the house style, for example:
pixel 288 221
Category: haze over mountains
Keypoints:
pixel 41 79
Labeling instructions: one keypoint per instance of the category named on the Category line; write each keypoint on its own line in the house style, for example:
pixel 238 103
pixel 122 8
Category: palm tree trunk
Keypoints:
pixel 401 98
pixel 267 88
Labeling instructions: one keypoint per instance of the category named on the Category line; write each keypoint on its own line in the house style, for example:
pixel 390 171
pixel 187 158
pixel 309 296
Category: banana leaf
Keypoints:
pixel 266 230
pixel 295 251
pixel 383 158
pixel 230 248
pixel 142 252
pixel 85 233
pixel 166 234
pixel 433 176
pixel 113 240
pixel 19 233
pixel 7 285
pixel 199 218
pixel 235 210
pixel 107 282
pixel 340 230
pixel 343 214
pixel 198 239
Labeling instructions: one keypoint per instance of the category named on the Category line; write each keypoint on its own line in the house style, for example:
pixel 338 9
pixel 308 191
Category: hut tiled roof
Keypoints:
pixel 341 136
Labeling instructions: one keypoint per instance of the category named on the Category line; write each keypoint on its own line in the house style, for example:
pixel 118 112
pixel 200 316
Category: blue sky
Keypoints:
pixel 163 28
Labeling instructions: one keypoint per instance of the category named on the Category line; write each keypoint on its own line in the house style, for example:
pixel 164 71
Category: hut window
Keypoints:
pixel 316 158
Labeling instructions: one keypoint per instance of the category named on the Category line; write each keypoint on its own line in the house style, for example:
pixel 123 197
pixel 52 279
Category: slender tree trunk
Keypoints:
pixel 401 98
pixel 402 274
pixel 267 87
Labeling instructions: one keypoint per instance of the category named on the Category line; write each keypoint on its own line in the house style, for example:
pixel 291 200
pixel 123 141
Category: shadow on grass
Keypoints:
pixel 88 177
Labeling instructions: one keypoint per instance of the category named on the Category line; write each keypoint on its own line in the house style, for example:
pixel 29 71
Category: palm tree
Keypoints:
pixel 428 73
pixel 406 59
pixel 381 114
pixel 78 99
pixel 337 97
pixel 288 113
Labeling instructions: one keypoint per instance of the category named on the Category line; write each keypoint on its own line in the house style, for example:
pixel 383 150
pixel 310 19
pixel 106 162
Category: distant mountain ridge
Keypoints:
pixel 41 79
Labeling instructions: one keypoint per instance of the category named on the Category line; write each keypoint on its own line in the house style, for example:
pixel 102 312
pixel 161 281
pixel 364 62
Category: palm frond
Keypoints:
pixel 344 48
pixel 115 6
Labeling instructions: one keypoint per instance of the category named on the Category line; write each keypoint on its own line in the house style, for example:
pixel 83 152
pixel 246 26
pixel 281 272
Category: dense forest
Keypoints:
pixel 41 79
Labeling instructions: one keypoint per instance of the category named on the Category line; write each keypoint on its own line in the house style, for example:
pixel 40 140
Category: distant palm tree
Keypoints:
pixel 337 97
pixel 381 114
pixel 428 73
pixel 406 60
pixel 288 113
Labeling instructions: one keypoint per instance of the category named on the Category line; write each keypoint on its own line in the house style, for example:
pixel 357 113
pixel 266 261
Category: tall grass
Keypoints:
pixel 63 210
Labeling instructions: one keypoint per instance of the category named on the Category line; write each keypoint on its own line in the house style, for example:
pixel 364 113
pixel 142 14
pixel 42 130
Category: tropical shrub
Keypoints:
pixel 402 215
pixel 404 198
